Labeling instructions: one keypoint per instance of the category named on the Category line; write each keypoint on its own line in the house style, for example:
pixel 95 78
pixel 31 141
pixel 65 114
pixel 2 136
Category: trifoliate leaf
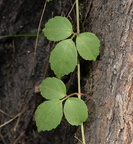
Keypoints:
pixel 88 45
pixel 75 111
pixel 48 115
pixel 63 58
pixel 52 88
pixel 58 28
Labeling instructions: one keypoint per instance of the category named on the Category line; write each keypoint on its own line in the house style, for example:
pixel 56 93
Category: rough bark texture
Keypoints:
pixel 112 101
pixel 111 80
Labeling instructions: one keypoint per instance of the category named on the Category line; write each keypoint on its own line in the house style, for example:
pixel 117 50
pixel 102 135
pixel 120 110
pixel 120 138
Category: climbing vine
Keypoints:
pixel 64 58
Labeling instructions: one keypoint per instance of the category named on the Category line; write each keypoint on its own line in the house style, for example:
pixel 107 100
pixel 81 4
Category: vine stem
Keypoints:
pixel 79 86
pixel 79 96
pixel 78 70
pixel 77 15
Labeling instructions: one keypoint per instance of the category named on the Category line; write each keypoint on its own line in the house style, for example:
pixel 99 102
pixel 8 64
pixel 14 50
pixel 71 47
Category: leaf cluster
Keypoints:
pixel 63 60
pixel 49 114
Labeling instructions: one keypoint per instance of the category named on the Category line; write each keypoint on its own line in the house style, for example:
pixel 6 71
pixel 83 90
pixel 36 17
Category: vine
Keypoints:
pixel 63 60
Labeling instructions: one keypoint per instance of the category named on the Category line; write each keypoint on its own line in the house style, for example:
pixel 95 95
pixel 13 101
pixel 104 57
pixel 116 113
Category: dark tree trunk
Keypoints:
pixel 111 106
pixel 110 78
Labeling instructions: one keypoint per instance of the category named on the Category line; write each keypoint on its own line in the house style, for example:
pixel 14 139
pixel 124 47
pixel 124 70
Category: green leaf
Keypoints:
pixel 63 58
pixel 88 45
pixel 58 28
pixel 52 88
pixel 48 115
pixel 75 111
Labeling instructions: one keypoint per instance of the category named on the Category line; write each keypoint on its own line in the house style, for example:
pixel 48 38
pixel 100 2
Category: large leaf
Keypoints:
pixel 63 58
pixel 88 45
pixel 52 88
pixel 48 115
pixel 75 111
pixel 58 28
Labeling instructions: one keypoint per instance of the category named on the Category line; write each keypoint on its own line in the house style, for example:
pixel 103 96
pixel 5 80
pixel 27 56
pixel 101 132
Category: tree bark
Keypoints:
pixel 111 105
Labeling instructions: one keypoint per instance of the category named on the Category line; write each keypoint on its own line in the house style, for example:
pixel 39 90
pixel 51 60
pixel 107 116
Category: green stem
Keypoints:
pixel 79 96
pixel 79 86
pixel 83 134
pixel 77 15
pixel 67 96
pixel 78 70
